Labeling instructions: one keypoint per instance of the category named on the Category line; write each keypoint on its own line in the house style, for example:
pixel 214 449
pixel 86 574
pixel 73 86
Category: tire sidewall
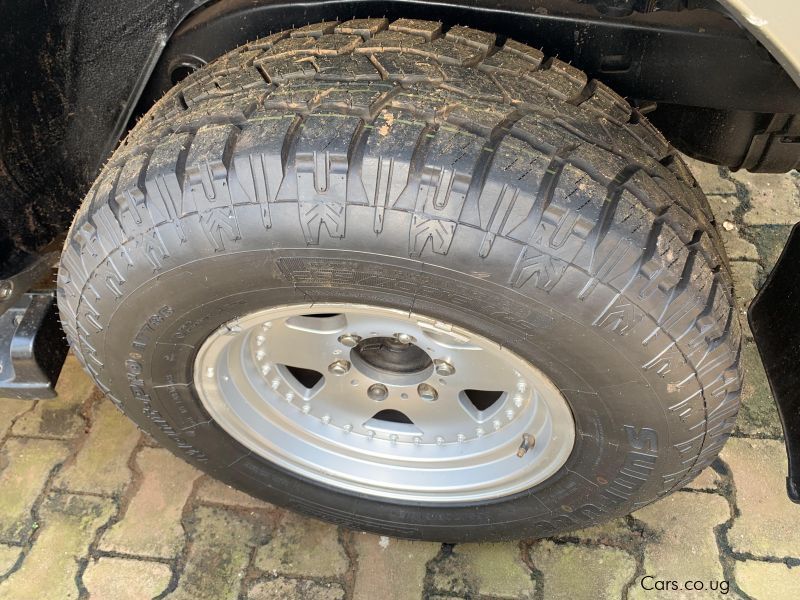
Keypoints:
pixel 150 340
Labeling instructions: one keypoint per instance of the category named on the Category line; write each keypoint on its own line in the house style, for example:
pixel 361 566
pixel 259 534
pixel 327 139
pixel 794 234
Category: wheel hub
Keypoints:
pixel 384 402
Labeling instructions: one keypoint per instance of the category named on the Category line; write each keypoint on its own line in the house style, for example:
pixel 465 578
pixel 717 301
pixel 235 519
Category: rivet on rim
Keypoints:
pixel 339 367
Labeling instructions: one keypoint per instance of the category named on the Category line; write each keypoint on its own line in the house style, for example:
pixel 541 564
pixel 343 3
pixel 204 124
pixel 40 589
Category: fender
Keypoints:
pixel 774 24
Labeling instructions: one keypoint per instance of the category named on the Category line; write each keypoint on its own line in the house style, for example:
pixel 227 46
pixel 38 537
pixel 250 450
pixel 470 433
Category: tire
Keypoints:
pixel 391 165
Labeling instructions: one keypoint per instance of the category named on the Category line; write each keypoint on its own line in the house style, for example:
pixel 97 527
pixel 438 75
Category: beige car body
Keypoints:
pixel 776 24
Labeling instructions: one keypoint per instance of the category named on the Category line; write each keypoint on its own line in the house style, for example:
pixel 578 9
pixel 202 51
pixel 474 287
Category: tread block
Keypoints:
pixel 561 80
pixel 483 40
pixel 408 68
pixel 353 67
pixel 299 47
pixel 206 183
pixel 222 83
pixel 471 83
pixel 391 41
pixel 608 103
pixel 287 69
pixel 510 62
pixel 320 183
pixel 446 50
pixel 366 28
pixel 129 199
pixel 429 30
pixel 314 30
pixel 267 42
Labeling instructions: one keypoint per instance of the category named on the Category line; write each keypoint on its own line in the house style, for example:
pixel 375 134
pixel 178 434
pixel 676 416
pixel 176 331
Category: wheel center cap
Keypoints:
pixel 392 355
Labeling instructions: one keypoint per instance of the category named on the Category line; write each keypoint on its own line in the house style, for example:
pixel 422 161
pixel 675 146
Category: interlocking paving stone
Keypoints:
pixel 708 480
pixel 49 571
pixel 60 418
pixel 758 414
pixel 151 524
pixel 724 208
pixel 737 247
pixel 302 546
pixel 573 572
pixel 494 569
pixel 683 546
pixel 221 543
pixel 774 199
pixel 708 177
pixel 770 581
pixel 26 465
pixel 11 409
pixel 613 533
pixel 8 557
pixel 211 490
pixel 770 240
pixel 101 465
pixel 283 588
pixel 111 578
pixel 767 525
pixel 745 276
pixel 390 568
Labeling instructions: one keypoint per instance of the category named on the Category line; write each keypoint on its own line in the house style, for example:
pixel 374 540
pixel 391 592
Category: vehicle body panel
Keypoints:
pixel 774 24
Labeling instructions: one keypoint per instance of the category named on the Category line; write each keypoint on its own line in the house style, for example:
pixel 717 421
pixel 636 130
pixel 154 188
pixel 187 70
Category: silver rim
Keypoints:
pixel 384 402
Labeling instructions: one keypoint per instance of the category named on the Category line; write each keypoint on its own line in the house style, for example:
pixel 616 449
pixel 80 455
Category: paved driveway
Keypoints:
pixel 89 507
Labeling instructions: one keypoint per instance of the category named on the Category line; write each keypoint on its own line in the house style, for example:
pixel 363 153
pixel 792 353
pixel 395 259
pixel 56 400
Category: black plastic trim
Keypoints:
pixel 776 329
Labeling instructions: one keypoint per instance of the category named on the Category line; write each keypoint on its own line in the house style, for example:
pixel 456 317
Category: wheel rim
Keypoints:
pixel 384 402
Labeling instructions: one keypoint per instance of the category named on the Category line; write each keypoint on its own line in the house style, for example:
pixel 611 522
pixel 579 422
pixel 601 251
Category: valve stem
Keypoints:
pixel 527 443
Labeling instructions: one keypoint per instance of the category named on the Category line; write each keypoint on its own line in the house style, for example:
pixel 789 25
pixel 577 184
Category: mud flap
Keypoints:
pixel 774 317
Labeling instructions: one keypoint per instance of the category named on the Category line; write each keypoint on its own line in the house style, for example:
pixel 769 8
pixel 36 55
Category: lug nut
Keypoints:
pixel 404 338
pixel 339 367
pixel 349 340
pixel 443 368
pixel 427 392
pixel 377 392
